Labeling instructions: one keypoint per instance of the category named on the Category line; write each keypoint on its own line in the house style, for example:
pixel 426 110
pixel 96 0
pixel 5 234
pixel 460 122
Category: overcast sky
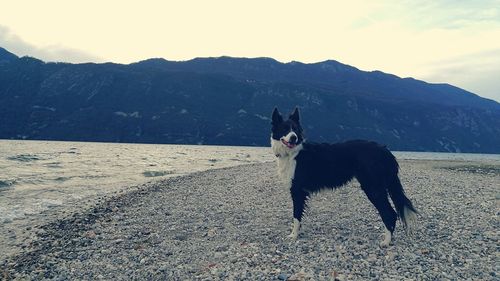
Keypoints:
pixel 451 41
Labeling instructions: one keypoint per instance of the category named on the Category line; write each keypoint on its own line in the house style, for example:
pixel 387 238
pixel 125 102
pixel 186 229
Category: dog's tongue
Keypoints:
pixel 289 145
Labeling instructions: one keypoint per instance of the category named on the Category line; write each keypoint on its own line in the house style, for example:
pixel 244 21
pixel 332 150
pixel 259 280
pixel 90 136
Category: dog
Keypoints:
pixel 308 168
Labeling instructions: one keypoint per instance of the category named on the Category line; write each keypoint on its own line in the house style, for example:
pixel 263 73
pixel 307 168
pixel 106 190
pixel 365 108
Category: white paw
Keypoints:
pixel 384 243
pixel 292 236
pixel 387 239
pixel 295 230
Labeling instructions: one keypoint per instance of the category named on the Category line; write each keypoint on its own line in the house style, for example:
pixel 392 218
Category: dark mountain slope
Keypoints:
pixel 6 56
pixel 329 75
pixel 228 101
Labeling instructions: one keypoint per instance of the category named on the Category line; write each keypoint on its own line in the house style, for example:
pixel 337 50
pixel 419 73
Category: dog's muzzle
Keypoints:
pixel 291 144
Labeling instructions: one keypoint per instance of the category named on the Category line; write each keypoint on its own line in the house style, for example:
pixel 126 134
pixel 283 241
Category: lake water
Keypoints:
pixel 39 180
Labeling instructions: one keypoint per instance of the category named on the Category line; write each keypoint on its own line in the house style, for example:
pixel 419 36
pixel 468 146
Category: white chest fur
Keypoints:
pixel 286 170
pixel 286 161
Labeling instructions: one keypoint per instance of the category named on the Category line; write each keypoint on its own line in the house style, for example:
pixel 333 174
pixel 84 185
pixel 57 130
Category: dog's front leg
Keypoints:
pixel 299 198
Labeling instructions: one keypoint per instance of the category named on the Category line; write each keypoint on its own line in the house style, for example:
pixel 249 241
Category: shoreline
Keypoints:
pixel 19 233
pixel 48 181
pixel 231 223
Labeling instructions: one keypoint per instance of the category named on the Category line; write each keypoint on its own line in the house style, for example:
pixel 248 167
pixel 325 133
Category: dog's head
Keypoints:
pixel 286 136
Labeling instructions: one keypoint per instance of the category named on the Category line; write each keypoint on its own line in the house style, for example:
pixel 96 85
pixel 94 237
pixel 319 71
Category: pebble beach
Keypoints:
pixel 232 223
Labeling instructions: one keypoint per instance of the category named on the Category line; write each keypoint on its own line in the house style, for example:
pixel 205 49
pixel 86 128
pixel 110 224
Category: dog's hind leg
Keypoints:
pixel 404 206
pixel 380 200
pixel 299 198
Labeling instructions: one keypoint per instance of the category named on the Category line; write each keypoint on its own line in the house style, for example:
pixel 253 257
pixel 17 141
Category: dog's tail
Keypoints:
pixel 406 212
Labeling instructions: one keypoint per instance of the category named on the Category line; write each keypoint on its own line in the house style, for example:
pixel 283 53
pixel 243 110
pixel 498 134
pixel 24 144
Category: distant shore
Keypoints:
pixel 231 223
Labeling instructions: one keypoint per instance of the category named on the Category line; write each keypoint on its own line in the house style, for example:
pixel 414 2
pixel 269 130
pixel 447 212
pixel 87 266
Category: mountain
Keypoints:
pixel 228 101
pixel 6 56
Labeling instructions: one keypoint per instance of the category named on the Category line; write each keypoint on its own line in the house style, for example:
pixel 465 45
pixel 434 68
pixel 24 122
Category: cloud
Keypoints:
pixel 445 41
pixel 475 72
pixel 56 53
pixel 442 14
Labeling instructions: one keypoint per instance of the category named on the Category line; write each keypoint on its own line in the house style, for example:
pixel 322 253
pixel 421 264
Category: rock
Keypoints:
pixel 282 276
pixel 390 256
pixel 340 277
pixel 90 234
pixel 300 276
pixel 212 232
pixel 372 258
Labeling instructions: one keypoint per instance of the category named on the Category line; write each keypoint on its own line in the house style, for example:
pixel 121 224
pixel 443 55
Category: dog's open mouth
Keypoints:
pixel 287 144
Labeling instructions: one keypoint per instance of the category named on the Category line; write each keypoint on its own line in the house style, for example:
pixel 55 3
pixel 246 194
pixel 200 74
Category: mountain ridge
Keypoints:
pixel 6 56
pixel 216 63
pixel 227 101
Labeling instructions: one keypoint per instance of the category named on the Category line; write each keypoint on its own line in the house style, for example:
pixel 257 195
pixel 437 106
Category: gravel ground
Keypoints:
pixel 231 224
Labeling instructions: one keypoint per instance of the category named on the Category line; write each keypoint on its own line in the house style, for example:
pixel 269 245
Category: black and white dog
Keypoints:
pixel 307 168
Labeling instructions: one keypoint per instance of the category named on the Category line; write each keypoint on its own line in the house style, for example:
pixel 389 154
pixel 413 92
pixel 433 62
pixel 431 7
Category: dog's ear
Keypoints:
pixel 295 115
pixel 276 117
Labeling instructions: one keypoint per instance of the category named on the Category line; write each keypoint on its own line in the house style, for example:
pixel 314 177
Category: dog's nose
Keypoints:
pixel 293 139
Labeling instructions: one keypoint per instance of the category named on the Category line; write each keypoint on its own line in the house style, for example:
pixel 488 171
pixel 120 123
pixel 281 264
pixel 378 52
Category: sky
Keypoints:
pixel 440 41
